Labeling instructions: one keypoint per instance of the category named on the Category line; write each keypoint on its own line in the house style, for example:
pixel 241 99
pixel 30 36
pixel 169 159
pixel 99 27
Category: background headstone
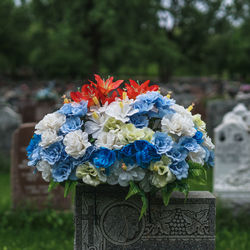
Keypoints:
pixel 9 121
pixel 29 189
pixel 104 221
pixel 232 158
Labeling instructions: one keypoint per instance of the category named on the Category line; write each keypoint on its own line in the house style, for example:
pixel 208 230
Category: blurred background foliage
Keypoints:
pixel 161 38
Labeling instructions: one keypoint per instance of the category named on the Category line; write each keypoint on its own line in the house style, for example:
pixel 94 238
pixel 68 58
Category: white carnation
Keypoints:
pixel 45 168
pixel 76 143
pixel 108 140
pixel 178 124
pixel 208 142
pixel 181 110
pixel 49 137
pixel 51 121
pixel 198 156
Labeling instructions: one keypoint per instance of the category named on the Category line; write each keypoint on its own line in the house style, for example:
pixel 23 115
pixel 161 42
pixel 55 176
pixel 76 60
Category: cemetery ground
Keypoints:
pixel 33 230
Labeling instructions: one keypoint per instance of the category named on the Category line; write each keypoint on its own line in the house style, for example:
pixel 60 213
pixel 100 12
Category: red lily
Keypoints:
pixel 106 86
pixel 88 93
pixel 134 89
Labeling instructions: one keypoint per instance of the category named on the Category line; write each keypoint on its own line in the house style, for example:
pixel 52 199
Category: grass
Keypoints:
pixel 49 230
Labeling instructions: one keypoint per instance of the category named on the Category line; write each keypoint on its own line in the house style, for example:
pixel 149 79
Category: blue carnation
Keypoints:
pixel 53 153
pixel 34 142
pixel 198 137
pixel 146 102
pixel 189 143
pixel 139 121
pixel 162 142
pixel 177 153
pixel 179 169
pixel 74 109
pixel 72 123
pixel 35 156
pixel 103 158
pixel 61 171
pixel 209 158
pixel 86 157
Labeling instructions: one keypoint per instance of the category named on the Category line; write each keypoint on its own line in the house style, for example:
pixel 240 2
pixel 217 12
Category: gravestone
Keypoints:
pixel 28 188
pixel 105 221
pixel 9 121
pixel 232 158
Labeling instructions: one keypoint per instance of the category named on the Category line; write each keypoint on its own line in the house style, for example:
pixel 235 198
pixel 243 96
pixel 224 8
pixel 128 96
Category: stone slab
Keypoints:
pixel 104 220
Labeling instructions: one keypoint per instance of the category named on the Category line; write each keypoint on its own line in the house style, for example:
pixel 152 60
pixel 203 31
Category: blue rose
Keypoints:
pixel 61 171
pixel 74 109
pixel 72 123
pixel 34 142
pixel 179 169
pixel 177 153
pixel 162 142
pixel 103 158
pixel 53 153
pixel 146 152
pixel 188 143
pixel 198 137
pixel 139 121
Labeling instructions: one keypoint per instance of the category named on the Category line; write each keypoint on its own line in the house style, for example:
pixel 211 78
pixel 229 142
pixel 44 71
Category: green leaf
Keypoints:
pixel 166 193
pixel 67 188
pixel 144 204
pixel 52 185
pixel 197 173
pixel 183 187
pixel 133 189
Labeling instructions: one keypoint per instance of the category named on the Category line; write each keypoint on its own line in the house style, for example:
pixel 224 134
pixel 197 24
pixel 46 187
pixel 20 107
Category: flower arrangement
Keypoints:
pixel 131 136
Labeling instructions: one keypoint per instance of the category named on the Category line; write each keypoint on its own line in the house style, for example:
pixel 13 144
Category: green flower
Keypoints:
pixel 89 174
pixel 112 124
pixel 129 133
pixel 199 124
pixel 161 173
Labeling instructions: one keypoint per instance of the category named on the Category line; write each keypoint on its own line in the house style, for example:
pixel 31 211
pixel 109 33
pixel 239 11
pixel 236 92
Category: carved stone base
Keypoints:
pixel 104 220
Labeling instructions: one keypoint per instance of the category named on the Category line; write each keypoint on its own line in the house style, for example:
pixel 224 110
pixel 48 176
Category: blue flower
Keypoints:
pixel 72 123
pixel 74 109
pixel 61 171
pixel 146 102
pixel 53 153
pixel 198 137
pixel 162 142
pixel 86 157
pixel 139 121
pixel 103 158
pixel 209 158
pixel 139 152
pixel 189 143
pixel 34 142
pixel 35 156
pixel 177 153
pixel 179 169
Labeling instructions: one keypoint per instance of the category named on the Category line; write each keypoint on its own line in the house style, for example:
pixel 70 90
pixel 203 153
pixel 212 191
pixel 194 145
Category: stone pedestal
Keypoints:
pixel 104 220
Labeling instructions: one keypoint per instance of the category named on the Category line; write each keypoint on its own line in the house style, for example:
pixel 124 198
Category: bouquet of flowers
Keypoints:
pixel 131 136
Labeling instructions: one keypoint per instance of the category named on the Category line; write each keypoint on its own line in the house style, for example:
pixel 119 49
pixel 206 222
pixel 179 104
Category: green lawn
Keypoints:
pixel 26 230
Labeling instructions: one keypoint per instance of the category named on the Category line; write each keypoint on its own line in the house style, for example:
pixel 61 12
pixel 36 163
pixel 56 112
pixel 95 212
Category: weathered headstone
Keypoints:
pixel 232 158
pixel 29 189
pixel 104 221
pixel 9 121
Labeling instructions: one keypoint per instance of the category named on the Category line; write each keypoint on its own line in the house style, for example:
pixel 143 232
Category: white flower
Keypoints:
pixel 181 110
pixel 108 140
pixel 120 110
pixel 45 168
pixel 76 143
pixel 178 124
pixel 95 126
pixel 208 142
pixel 50 122
pixel 198 156
pixel 49 137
